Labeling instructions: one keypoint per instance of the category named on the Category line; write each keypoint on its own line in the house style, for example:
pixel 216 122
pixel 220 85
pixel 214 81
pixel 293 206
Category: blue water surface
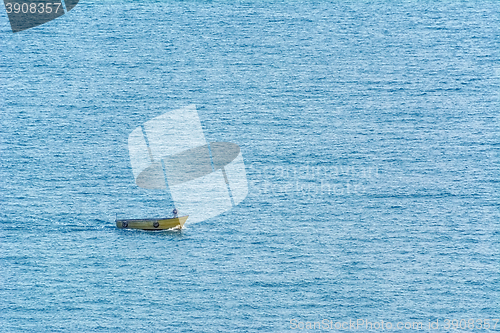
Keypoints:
pixel 370 133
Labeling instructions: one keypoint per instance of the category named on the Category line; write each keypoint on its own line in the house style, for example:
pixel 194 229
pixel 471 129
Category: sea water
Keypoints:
pixel 370 136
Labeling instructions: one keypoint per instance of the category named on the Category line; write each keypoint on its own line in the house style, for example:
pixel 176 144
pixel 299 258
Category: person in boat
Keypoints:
pixel 175 212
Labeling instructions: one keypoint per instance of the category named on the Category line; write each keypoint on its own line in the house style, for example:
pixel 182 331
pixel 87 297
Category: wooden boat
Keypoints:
pixel 153 224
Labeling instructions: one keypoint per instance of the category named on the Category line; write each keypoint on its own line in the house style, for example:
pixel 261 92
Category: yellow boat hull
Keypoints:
pixel 152 224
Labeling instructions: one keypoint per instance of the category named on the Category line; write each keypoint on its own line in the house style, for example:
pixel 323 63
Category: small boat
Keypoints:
pixel 152 224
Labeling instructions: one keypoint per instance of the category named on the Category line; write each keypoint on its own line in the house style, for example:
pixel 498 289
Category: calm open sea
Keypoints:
pixel 370 133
